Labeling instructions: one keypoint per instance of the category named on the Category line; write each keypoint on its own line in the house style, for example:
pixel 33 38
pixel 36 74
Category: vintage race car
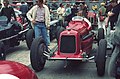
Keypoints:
pixel 15 70
pixel 22 20
pixel 10 35
pixel 74 43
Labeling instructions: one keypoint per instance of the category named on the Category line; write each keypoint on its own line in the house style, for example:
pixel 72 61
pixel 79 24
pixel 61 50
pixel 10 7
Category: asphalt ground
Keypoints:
pixel 55 69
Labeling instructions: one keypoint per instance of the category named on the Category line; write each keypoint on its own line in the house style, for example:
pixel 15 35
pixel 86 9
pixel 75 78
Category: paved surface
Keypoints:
pixel 55 69
pixel 19 54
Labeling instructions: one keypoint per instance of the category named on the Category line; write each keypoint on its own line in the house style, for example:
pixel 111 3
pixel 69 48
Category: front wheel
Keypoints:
pixel 101 57
pixel 37 58
pixel 100 34
pixel 29 37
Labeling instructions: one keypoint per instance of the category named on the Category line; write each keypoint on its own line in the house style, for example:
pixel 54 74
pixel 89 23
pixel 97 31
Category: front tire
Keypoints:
pixel 36 54
pixel 100 34
pixel 101 57
pixel 29 37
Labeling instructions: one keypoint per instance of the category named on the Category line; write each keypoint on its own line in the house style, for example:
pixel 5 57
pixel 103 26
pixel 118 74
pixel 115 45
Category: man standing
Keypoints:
pixel 101 17
pixel 84 9
pixel 60 12
pixel 67 13
pixel 39 15
pixel 7 11
pixel 113 14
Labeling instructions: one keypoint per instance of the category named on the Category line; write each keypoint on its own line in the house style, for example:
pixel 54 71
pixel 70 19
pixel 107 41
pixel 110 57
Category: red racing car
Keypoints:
pixel 74 43
pixel 15 70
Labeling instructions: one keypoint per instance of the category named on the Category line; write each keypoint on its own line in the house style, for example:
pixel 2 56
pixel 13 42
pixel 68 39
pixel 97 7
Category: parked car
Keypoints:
pixel 21 19
pixel 10 35
pixel 74 43
pixel 18 15
pixel 15 70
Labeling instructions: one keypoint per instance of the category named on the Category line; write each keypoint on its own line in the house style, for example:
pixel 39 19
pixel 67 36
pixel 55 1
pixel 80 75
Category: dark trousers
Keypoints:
pixel 112 25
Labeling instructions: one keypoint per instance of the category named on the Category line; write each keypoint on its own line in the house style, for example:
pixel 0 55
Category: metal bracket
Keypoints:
pixel 65 63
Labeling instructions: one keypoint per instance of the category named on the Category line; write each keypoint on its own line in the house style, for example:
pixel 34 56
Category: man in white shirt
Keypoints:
pixel 39 16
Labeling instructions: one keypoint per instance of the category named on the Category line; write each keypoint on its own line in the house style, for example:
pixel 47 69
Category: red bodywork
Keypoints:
pixel 20 20
pixel 19 70
pixel 77 30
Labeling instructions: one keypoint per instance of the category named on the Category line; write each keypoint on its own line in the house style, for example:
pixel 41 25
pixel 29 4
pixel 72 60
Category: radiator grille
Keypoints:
pixel 68 44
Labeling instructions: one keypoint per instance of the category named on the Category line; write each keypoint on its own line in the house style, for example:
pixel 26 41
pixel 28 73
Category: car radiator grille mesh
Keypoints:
pixel 67 44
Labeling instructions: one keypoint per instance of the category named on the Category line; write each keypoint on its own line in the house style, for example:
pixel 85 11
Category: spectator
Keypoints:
pixel 74 11
pixel 54 6
pixel 67 13
pixel 95 8
pixel 24 9
pixel 84 10
pixel 80 13
pixel 60 12
pixel 46 3
pixel 101 17
pixel 113 14
pixel 108 7
pixel 102 9
pixel 7 11
pixel 39 15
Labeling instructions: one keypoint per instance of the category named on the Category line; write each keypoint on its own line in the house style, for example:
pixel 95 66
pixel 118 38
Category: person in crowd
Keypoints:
pixel 39 16
pixel 80 13
pixel 46 3
pixel 7 11
pixel 95 8
pixel 24 9
pixel 101 17
pixel 67 13
pixel 60 12
pixel 80 7
pixel 74 11
pixel 84 10
pixel 54 6
pixel 113 14
pixel 108 7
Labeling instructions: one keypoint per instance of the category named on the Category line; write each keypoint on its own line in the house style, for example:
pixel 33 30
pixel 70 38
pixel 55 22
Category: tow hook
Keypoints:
pixel 65 63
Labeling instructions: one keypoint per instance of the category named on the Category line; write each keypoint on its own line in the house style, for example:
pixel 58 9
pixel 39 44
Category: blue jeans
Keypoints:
pixel 40 30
